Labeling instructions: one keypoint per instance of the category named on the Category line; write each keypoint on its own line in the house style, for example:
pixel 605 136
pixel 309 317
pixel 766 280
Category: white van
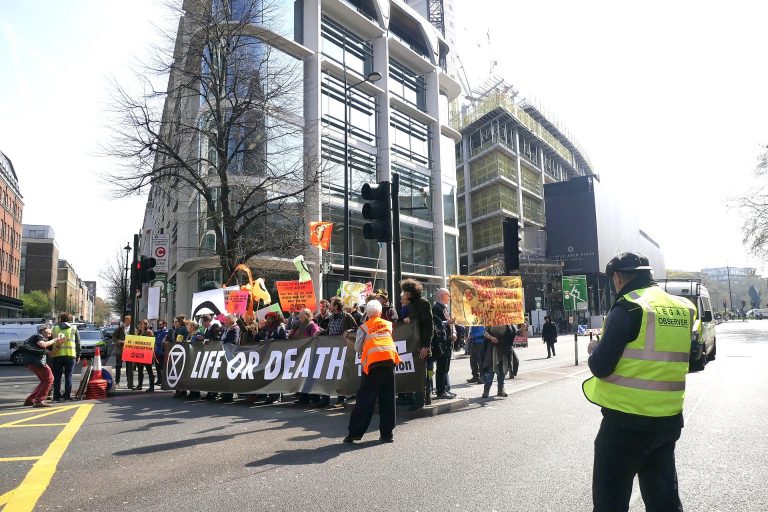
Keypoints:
pixel 758 313
pixel 11 337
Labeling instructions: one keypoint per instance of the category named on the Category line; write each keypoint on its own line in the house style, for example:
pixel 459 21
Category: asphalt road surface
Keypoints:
pixel 531 451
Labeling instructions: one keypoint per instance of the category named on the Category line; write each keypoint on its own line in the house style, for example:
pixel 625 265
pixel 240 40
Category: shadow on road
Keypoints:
pixel 319 455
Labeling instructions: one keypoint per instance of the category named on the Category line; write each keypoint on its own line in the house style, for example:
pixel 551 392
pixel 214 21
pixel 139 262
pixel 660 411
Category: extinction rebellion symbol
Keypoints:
pixel 175 366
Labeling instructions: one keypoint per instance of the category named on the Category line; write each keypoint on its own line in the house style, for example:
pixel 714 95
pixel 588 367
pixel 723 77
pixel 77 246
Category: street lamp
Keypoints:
pixel 127 250
pixel 371 77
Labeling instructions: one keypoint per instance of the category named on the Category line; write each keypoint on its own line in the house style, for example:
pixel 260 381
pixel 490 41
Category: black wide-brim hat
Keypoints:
pixel 627 262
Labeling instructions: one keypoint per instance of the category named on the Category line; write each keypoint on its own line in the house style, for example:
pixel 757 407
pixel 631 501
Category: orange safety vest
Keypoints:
pixel 378 344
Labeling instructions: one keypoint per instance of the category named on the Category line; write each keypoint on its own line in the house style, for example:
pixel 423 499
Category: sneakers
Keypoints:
pixel 446 395
pixel 41 404
pixel 28 402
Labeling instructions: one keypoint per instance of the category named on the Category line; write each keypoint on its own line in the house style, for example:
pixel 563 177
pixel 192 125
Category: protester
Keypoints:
pixel 494 357
pixel 639 369
pixel 476 350
pixel 191 336
pixel 306 327
pixel 419 311
pixel 34 352
pixel 549 335
pixel 180 330
pixel 161 335
pixel 144 330
pixel 324 315
pixel 249 328
pixel 377 384
pixel 356 314
pixel 118 337
pixel 404 308
pixel 195 336
pixel 442 343
pixel 387 312
pixel 213 333
pixel 273 330
pixel 339 323
pixel 230 336
pixel 66 351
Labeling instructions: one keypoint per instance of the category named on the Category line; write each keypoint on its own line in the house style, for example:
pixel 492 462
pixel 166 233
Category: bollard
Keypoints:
pixel 576 347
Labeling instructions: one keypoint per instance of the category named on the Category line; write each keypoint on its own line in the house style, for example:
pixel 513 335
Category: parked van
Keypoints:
pixel 703 341
pixel 758 313
pixel 11 337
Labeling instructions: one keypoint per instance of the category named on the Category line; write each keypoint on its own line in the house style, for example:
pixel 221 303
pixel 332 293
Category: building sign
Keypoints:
pixel 160 244
pixel 575 296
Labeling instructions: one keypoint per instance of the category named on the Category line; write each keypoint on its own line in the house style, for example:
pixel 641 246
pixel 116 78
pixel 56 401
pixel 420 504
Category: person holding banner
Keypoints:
pixel 442 343
pixel 119 340
pixel 144 330
pixel 419 311
pixel 378 357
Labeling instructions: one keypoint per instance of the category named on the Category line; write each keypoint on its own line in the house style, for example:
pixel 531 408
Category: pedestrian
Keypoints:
pixel 419 311
pixel 180 331
pixel 306 326
pixel 65 353
pixel 212 334
pixel 191 336
pixel 196 336
pixel 144 330
pixel 34 352
pixel 442 343
pixel 230 338
pixel 476 350
pixel 118 337
pixel 495 359
pixel 354 310
pixel 249 328
pixel 378 357
pixel 549 335
pixel 324 315
pixel 639 368
pixel 273 330
pixel 339 323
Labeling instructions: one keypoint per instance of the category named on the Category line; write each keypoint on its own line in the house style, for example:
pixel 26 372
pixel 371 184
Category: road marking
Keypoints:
pixel 14 459
pixel 24 425
pixel 54 410
pixel 25 496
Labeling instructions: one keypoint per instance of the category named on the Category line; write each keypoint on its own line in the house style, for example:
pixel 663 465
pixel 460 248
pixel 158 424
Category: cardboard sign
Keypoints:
pixel 295 295
pixel 138 349
pixel 262 313
pixel 236 301
pixel 352 293
pixel 487 300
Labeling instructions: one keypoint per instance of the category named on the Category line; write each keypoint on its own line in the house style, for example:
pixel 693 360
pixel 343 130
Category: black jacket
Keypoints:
pixel 420 311
pixel 549 332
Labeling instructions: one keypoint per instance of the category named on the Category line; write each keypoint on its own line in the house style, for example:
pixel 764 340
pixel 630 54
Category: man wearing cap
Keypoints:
pixel 639 370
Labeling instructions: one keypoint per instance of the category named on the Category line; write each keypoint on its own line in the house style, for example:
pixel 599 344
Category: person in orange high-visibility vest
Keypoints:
pixel 378 357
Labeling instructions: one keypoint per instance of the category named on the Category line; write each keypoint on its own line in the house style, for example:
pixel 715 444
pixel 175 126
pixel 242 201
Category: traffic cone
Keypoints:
pixel 84 368
pixel 97 386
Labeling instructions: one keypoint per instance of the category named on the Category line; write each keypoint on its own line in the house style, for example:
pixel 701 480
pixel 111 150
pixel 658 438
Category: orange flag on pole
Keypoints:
pixel 320 234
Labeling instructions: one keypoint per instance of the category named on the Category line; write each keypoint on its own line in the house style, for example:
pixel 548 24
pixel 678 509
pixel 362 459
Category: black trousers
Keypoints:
pixel 442 366
pixel 378 385
pixel 550 348
pixel 622 453
pixel 150 373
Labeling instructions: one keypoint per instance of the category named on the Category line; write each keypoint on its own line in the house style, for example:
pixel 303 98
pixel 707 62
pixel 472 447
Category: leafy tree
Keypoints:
pixel 37 303
pixel 225 135
pixel 114 276
pixel 101 311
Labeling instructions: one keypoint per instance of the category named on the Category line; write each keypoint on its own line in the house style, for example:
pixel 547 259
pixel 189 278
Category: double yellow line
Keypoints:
pixel 24 497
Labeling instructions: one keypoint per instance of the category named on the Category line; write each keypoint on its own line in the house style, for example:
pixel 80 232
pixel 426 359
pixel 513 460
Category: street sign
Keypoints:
pixel 159 247
pixel 538 302
pixel 575 293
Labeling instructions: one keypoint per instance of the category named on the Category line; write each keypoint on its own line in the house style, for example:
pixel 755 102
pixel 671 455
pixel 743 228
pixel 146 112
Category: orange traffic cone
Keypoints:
pixel 97 386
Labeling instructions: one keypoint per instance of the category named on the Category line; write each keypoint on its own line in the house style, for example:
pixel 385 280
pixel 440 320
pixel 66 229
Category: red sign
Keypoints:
pixel 160 252
pixel 295 295
pixel 138 349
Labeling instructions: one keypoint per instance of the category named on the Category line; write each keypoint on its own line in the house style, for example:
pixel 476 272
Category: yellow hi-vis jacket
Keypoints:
pixel 67 347
pixel 649 379
pixel 378 344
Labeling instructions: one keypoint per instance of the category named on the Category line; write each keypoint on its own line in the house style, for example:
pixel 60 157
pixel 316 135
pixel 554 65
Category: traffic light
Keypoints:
pixel 144 267
pixel 512 246
pixel 743 304
pixel 725 306
pixel 378 210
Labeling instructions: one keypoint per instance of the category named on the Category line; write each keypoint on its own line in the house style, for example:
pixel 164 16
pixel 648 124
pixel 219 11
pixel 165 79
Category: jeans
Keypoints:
pixel 376 386
pixel 489 377
pixel 65 365
pixel 45 375
pixel 622 453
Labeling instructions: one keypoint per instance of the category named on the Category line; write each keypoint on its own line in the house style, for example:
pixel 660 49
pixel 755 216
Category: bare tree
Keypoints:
pixel 756 209
pixel 227 129
pixel 117 287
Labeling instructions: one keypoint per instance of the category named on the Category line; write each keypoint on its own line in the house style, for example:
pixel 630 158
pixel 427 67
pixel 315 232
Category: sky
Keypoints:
pixel 667 98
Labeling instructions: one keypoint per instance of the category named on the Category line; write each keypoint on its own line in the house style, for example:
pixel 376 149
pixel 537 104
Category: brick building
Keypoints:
pixel 10 239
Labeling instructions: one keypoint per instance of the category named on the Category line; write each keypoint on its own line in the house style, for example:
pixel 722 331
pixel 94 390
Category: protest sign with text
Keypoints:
pixel 295 295
pixel 138 349
pixel 236 301
pixel 487 300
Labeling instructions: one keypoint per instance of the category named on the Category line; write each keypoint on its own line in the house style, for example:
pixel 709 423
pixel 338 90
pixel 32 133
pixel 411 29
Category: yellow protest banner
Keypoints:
pixel 487 300
pixel 138 349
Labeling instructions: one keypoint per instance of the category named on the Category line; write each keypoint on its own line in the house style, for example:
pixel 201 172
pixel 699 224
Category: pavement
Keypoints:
pixel 530 451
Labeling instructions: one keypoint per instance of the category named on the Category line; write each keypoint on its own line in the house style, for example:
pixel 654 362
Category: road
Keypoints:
pixel 530 451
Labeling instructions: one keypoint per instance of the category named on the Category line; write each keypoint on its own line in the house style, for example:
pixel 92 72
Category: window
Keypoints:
pixel 530 151
pixel 451 261
pixel 417 249
pixel 449 204
pixel 361 112
pixel 487 234
pixel 364 253
pixel 408 85
pixel 409 138
pixel 413 186
pixel 339 44
pixel 362 168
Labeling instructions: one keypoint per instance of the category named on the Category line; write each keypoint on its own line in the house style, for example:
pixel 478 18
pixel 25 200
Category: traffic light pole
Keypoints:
pixel 394 272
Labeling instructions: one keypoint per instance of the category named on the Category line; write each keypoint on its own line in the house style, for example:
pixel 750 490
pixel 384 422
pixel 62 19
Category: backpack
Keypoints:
pixel 31 346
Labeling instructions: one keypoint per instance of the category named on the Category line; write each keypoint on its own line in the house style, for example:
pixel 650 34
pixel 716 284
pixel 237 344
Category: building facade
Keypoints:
pixel 399 124
pixel 10 239
pixel 39 259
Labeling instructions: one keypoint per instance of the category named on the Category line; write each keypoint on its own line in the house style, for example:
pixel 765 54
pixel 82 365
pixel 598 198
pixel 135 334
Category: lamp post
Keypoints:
pixel 127 250
pixel 371 77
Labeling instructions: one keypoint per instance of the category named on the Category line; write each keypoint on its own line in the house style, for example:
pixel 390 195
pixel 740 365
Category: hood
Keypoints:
pixel 64 325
